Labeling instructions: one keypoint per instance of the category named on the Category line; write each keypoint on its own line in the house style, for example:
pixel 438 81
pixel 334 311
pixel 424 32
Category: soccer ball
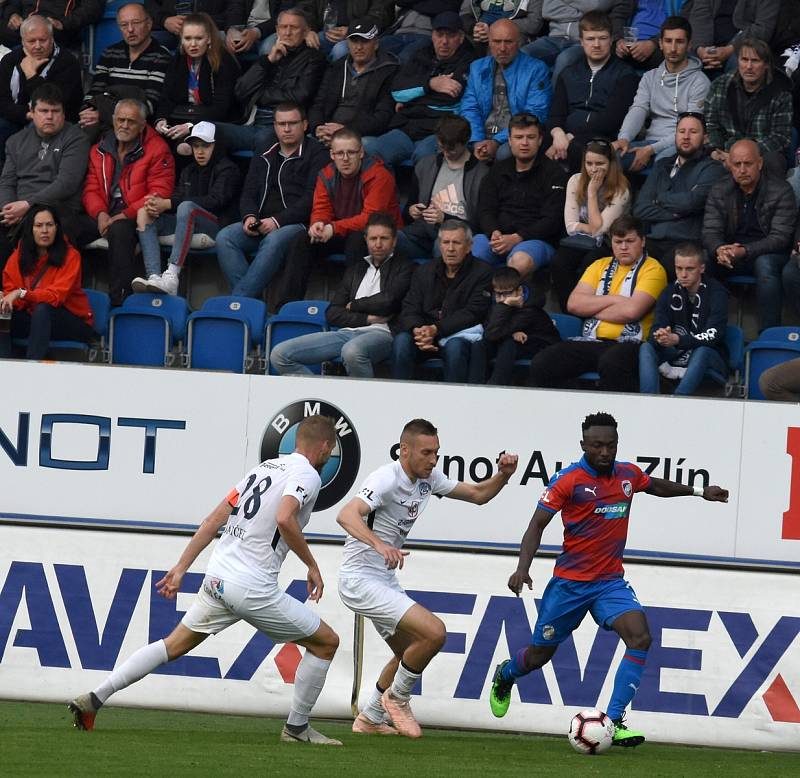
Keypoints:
pixel 591 732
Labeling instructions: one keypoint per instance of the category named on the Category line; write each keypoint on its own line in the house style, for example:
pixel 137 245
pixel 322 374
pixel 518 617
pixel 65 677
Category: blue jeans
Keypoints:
pixel 768 270
pixel 247 137
pixel 701 361
pixel 540 252
pixel 404 45
pixel 392 147
pixel 556 53
pixel 627 158
pixel 455 355
pixel 249 279
pixel 791 283
pixel 360 351
pixel 188 219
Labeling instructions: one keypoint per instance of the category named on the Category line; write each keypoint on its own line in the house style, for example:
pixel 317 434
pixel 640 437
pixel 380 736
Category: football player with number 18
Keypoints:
pixel 594 496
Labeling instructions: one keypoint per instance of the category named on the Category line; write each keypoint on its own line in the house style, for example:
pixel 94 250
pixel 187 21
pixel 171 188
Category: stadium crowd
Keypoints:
pixel 632 159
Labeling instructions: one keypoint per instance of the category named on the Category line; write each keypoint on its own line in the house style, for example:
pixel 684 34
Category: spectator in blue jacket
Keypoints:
pixel 688 335
pixel 505 83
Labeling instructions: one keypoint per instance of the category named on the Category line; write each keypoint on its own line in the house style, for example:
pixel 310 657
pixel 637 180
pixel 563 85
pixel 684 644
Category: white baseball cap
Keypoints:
pixel 202 131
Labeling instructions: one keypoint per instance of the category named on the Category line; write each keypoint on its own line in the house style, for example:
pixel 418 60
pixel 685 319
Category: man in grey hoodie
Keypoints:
pixel 45 163
pixel 676 86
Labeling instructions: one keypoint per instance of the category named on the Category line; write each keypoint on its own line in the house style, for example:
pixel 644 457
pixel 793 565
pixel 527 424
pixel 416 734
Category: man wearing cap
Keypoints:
pixel 204 200
pixel 413 27
pixel 355 91
pixel 275 204
pixel 426 89
pixel 505 83
pixel 290 72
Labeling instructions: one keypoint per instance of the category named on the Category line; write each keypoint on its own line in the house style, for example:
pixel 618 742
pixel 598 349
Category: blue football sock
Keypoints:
pixel 516 667
pixel 626 682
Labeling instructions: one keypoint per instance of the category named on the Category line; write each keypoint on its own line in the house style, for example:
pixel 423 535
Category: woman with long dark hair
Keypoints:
pixel 198 85
pixel 42 288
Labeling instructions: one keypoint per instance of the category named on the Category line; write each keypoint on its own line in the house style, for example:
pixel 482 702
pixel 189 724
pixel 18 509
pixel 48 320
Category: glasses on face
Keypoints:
pixel 133 24
pixel 345 154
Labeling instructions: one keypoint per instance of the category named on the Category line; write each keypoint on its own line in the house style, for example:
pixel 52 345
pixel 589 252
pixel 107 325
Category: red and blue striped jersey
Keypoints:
pixel 595 510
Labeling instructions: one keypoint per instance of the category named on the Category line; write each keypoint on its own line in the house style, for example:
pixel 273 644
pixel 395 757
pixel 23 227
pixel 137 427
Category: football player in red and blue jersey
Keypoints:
pixel 594 496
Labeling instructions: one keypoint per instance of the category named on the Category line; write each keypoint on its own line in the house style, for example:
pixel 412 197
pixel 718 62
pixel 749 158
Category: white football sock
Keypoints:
pixel 373 710
pixel 174 268
pixel 135 667
pixel 308 682
pixel 404 681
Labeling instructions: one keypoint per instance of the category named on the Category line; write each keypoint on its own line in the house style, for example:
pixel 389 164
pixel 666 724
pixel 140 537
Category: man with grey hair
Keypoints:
pixel 130 163
pixel 290 72
pixel 39 61
pixel 444 308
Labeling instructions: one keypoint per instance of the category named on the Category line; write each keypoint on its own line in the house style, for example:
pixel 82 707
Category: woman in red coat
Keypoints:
pixel 42 288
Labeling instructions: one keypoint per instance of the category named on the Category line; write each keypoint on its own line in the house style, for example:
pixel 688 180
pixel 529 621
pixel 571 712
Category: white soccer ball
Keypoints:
pixel 591 732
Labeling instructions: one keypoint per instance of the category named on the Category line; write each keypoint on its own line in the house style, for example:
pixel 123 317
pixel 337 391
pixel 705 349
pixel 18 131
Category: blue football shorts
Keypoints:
pixel 565 603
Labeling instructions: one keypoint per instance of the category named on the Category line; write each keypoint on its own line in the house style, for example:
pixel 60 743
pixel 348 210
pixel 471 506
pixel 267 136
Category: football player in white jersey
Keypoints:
pixel 377 521
pixel 264 517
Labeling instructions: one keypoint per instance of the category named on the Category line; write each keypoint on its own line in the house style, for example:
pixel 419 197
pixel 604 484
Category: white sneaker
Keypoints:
pixel 308 735
pixel 166 283
pixel 140 284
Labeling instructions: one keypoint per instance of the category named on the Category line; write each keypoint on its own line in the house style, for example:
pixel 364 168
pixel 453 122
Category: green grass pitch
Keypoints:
pixel 38 739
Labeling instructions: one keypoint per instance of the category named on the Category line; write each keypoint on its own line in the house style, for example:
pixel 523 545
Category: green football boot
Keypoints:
pixel 500 695
pixel 627 738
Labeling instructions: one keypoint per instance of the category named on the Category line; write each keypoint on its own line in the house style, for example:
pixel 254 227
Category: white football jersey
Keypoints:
pixel 251 549
pixel 395 502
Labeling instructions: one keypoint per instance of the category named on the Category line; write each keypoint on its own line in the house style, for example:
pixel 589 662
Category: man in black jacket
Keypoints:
pixel 748 227
pixel 168 16
pixel 521 202
pixel 355 91
pixel 275 203
pixel 442 311
pixel 426 89
pixel 290 72
pixel 444 186
pixel 592 97
pixel 68 17
pixel 39 61
pixel 367 300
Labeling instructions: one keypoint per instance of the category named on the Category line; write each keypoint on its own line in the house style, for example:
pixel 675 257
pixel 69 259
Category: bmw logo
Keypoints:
pixel 339 473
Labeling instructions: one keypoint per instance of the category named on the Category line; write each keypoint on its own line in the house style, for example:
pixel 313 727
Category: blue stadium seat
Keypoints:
pixel 146 329
pixel 774 346
pixel 299 317
pixel 222 334
pixel 734 342
pixel 568 326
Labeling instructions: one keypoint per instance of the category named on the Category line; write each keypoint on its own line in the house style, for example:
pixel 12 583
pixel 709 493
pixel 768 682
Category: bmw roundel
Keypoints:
pixel 339 473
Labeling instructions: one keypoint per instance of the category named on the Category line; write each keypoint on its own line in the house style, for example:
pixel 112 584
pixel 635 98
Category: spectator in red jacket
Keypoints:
pixel 42 288
pixel 347 191
pixel 127 166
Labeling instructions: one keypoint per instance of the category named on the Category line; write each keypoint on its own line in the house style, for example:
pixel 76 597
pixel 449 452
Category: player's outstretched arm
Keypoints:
pixel 170 584
pixel 289 527
pixel 527 549
pixel 351 519
pixel 482 492
pixel 659 487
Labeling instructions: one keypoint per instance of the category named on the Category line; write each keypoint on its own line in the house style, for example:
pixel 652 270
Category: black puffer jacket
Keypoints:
pixel 375 108
pixel 776 211
pixel 380 11
pixel 451 304
pixel 293 78
pixel 214 187
pixel 223 12
pixel 395 278
pixel 504 320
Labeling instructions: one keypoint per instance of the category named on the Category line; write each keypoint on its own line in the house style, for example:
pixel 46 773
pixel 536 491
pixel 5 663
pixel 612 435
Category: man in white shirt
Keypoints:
pixel 264 516
pixel 378 521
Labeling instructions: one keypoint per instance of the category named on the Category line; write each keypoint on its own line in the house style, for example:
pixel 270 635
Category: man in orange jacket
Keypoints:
pixel 347 191
pixel 125 167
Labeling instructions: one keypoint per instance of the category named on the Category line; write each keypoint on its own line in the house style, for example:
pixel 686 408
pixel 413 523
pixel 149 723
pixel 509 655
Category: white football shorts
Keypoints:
pixel 219 604
pixel 383 602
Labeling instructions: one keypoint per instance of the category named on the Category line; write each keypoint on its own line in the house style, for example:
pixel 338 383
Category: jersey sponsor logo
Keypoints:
pixel 627 487
pixel 339 473
pixel 616 511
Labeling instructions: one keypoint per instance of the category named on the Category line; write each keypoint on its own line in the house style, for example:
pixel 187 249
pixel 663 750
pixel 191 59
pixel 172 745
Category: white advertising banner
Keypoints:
pixel 139 448
pixel 723 668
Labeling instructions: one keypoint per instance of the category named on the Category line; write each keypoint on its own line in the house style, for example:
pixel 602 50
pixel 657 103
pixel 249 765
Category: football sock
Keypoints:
pixel 308 682
pixel 405 679
pixel 135 667
pixel 174 268
pixel 516 667
pixel 626 682
pixel 373 710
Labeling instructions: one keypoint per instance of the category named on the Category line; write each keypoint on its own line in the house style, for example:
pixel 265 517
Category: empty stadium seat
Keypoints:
pixel 734 342
pixel 299 317
pixel 774 346
pixel 226 334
